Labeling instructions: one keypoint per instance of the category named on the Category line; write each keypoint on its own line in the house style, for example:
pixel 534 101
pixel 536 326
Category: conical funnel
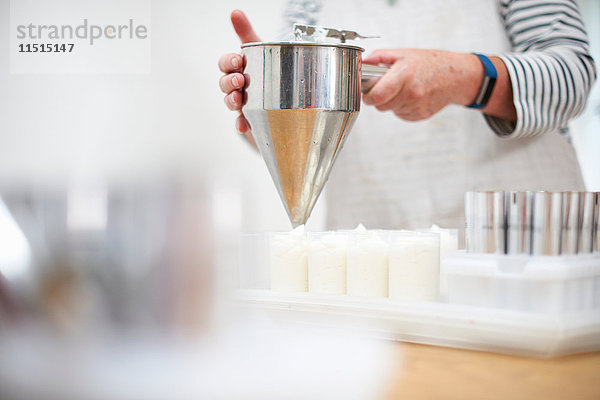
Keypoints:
pixel 302 100
pixel 299 150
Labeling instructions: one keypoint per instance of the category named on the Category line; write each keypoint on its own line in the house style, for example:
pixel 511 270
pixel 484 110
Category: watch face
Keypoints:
pixel 489 81
pixel 488 84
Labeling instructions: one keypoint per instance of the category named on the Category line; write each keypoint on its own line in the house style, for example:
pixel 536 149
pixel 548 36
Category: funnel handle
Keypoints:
pixel 370 74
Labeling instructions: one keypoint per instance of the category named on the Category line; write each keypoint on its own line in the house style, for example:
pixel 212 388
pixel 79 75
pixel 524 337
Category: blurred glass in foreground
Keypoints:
pixel 112 292
pixel 83 259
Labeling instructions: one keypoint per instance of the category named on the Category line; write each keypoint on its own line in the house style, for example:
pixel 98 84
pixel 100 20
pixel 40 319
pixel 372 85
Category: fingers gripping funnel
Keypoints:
pixel 302 100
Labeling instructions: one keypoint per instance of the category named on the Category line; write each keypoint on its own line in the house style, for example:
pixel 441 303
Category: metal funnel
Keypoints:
pixel 302 100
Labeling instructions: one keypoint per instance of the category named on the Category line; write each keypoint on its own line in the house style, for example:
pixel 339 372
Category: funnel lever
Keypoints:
pixel 370 74
pixel 319 33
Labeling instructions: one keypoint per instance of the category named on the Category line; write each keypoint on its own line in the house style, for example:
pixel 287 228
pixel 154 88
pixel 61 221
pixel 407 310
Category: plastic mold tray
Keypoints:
pixel 549 285
pixel 542 306
pixel 434 323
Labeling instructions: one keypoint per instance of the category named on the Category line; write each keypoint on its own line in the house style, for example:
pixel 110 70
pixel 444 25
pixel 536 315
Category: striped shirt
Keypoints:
pixel 551 69
pixel 550 65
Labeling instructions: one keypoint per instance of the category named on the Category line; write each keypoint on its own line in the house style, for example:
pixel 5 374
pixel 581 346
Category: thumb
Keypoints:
pixel 243 28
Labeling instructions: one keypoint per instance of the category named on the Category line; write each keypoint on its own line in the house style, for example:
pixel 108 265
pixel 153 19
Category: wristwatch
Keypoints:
pixel 487 86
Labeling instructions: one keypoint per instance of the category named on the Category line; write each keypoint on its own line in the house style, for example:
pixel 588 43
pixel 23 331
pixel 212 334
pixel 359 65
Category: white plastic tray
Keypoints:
pixel 540 284
pixel 434 323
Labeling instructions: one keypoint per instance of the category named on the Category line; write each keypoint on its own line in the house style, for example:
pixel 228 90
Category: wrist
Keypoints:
pixel 501 103
pixel 470 79
pixel 488 84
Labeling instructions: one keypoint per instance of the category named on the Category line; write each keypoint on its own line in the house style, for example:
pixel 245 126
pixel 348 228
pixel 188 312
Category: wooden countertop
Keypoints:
pixel 430 372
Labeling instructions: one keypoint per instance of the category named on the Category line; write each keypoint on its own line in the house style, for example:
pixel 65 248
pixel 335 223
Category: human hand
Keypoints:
pixel 234 81
pixel 422 82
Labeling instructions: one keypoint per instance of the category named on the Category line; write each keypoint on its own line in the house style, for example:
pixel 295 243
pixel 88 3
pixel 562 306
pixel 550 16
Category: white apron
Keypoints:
pixel 397 174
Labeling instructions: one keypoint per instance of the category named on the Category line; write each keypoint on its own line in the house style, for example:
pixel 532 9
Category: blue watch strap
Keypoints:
pixel 487 86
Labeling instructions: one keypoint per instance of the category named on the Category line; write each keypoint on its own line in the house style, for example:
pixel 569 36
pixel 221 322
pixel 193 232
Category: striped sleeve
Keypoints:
pixel 550 66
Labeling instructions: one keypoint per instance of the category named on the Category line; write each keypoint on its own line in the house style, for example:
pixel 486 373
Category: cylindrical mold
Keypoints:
pixel 414 265
pixel 470 240
pixel 485 222
pixel 448 244
pixel 327 262
pixel 586 225
pixel 570 223
pixel 367 265
pixel 289 261
pixel 518 214
pixel 547 223
pixel 596 227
